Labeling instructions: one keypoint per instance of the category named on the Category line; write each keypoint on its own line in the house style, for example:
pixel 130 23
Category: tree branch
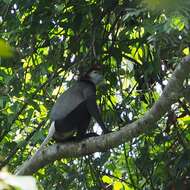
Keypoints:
pixel 170 95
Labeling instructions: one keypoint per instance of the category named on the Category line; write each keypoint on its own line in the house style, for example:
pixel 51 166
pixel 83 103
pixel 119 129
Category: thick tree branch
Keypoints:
pixel 102 143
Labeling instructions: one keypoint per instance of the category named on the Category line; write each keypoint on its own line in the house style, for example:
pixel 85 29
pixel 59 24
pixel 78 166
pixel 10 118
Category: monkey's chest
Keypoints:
pixel 79 118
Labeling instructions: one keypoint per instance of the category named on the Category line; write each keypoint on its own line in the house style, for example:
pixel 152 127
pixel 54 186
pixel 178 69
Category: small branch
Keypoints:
pixel 102 143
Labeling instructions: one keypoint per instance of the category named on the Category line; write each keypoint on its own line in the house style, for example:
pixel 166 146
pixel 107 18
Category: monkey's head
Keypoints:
pixel 94 74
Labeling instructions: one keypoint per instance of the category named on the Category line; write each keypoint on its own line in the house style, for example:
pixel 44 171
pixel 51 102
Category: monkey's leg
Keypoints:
pixel 63 136
pixel 83 135
pixel 90 135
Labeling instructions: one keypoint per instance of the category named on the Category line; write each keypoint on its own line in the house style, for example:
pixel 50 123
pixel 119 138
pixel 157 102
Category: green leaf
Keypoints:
pixel 7 1
pixel 5 49
pixel 117 54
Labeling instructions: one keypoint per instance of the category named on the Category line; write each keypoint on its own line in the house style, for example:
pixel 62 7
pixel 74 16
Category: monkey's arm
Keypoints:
pixel 93 110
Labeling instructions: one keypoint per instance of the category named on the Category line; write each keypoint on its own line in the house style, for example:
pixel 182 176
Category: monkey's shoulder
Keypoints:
pixel 80 91
pixel 87 88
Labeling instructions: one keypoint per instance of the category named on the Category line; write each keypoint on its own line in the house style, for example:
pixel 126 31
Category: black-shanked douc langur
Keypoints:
pixel 72 112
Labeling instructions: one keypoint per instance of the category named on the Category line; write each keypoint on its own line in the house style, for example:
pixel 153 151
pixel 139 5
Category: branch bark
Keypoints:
pixel 170 95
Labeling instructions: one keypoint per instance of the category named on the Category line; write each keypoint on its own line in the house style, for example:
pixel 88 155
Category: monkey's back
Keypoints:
pixel 71 99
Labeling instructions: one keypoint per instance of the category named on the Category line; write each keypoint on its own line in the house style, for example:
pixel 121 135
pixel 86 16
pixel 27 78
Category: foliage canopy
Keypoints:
pixel 139 43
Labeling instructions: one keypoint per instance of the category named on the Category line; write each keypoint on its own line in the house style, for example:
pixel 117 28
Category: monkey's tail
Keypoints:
pixel 49 136
pixel 46 140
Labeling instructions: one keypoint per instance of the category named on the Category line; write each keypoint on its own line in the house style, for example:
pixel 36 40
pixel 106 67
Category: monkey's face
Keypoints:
pixel 95 77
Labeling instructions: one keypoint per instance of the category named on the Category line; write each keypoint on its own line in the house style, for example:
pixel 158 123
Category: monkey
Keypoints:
pixel 71 114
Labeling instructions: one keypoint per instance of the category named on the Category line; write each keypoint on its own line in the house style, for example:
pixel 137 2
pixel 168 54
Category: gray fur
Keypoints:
pixel 70 99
